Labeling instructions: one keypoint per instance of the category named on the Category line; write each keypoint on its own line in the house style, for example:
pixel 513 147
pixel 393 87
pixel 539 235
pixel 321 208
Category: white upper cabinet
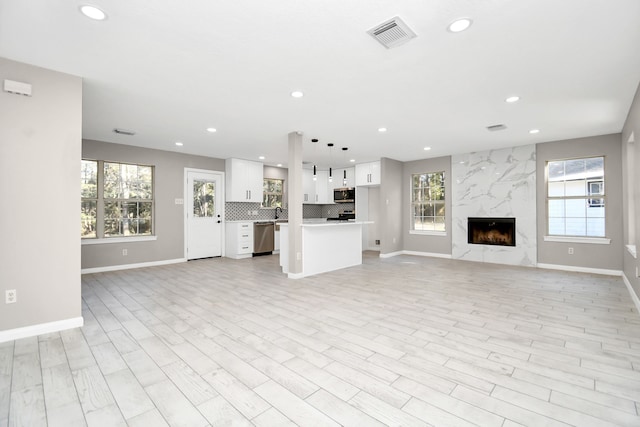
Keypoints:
pixel 308 187
pixel 322 188
pixel 368 174
pixel 243 180
pixel 316 191
pixel 338 178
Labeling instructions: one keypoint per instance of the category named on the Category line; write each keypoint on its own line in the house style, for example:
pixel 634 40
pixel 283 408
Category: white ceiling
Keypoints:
pixel 168 70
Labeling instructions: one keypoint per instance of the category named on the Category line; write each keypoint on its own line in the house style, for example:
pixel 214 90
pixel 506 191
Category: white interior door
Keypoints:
pixel 205 197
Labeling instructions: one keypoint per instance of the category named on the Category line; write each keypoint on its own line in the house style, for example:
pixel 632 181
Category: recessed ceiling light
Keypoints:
pixel 459 25
pixel 297 94
pixel 427 148
pixel 279 165
pixel 179 144
pixel 261 157
pixel 534 131
pixel 512 99
pixel 212 130
pixel 93 12
pixel 352 160
pixel 382 129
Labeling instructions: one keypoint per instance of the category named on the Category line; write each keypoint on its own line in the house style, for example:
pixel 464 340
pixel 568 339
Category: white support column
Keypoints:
pixel 295 203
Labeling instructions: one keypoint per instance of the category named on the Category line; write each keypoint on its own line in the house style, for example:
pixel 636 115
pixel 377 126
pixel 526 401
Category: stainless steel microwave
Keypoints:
pixel 344 195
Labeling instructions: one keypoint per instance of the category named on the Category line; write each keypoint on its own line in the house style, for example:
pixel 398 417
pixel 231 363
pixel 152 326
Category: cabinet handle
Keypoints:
pixel 249 194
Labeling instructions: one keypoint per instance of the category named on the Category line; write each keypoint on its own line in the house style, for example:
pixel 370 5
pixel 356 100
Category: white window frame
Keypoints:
pixel 100 232
pixel 412 229
pixel 592 199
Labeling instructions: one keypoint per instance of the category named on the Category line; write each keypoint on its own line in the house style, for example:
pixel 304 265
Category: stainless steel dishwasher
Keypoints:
pixel 263 237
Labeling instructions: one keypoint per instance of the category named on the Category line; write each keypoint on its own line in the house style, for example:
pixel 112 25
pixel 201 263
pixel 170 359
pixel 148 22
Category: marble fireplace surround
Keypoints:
pixel 496 183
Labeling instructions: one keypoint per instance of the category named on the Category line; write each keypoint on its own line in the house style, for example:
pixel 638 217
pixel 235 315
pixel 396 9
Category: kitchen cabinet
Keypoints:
pixel 368 174
pixel 316 192
pixel 338 178
pixel 239 240
pixel 243 180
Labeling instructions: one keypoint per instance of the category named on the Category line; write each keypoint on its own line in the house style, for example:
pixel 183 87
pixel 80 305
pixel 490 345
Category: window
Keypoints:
pixel 576 197
pixel 117 199
pixel 272 193
pixel 427 199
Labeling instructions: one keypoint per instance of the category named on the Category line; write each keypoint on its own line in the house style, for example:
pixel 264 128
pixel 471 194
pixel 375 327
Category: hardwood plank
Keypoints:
pixel 285 377
pixel 189 382
pixel 235 392
pixel 383 412
pixel 108 358
pixel 59 387
pixel 27 407
pixel 459 408
pixel 93 392
pixel 145 369
pixel 340 411
pixel 148 419
pixel 272 418
pixel 128 393
pixel 173 406
pixel 221 413
pixel 369 384
pixel 292 406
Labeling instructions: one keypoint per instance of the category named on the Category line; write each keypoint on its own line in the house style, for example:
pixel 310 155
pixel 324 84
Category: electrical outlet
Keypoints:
pixel 298 256
pixel 10 296
pixel 255 213
pixel 124 252
pixel 570 251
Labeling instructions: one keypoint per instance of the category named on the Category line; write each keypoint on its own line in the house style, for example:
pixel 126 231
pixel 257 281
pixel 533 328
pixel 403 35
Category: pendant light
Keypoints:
pixel 330 145
pixel 344 173
pixel 314 140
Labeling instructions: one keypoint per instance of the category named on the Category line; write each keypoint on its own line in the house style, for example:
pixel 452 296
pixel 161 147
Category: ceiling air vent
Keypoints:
pixel 124 132
pixel 494 128
pixel 392 33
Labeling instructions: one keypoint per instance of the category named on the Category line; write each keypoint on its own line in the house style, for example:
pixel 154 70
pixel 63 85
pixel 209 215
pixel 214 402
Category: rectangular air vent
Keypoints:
pixel 124 132
pixel 17 88
pixel 494 128
pixel 392 33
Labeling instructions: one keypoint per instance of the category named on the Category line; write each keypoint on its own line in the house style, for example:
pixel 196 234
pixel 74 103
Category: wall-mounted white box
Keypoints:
pixel 18 88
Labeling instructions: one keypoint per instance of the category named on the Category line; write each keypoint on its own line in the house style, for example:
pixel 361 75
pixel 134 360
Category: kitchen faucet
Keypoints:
pixel 278 208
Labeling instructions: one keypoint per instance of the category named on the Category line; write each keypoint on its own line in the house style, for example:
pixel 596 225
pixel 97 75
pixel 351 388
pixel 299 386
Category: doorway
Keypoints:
pixel 204 210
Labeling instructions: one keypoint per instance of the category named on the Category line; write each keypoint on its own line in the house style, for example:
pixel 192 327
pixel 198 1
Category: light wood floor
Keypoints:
pixel 403 341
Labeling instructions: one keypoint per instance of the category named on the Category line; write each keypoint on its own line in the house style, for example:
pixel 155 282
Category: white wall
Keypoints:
pixel 497 183
pixel 40 146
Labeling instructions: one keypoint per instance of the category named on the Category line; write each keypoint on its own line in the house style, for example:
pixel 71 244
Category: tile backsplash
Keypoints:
pixel 240 211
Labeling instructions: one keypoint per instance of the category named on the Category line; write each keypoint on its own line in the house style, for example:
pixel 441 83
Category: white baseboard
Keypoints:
pixel 416 253
pixel 390 254
pixel 296 275
pixel 130 266
pixel 634 296
pixel 428 254
pixel 580 269
pixel 39 329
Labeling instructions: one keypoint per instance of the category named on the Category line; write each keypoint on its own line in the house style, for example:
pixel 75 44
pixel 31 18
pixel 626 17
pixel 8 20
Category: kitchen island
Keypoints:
pixel 326 246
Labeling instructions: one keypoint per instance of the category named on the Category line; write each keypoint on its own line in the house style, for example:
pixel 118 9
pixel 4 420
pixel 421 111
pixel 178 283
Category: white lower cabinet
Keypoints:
pixel 239 239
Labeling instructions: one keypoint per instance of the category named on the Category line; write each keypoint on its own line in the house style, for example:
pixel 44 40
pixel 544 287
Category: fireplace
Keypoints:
pixel 492 231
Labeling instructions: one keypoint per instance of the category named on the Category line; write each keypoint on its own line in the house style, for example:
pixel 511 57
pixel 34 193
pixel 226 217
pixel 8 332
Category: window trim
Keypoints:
pixel 100 237
pixel 412 230
pixel 262 206
pixel 587 198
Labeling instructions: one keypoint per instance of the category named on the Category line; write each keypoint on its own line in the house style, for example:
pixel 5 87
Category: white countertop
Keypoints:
pixel 325 223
